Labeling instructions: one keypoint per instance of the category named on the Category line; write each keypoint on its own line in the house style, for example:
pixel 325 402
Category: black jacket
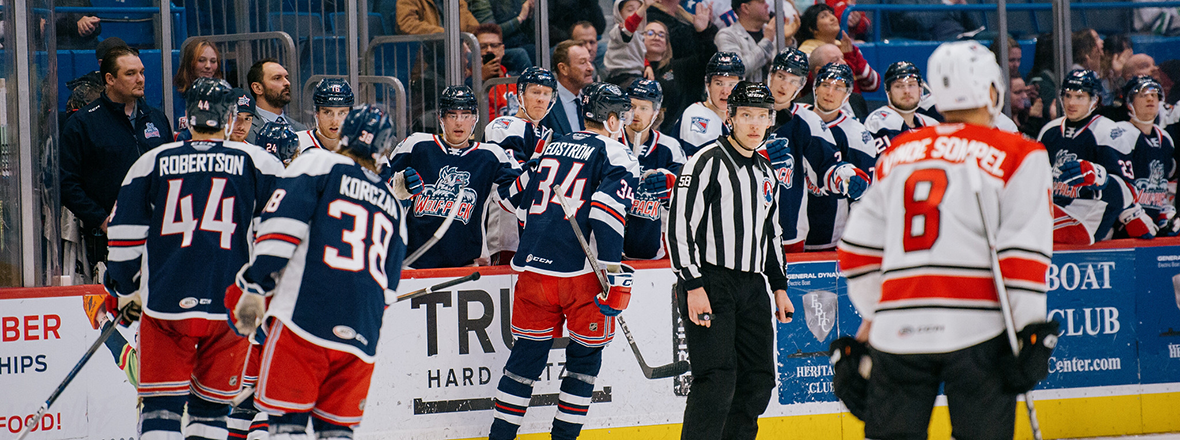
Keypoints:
pixel 98 146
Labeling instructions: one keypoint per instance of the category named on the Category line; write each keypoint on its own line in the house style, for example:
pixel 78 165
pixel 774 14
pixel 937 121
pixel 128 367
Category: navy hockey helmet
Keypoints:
pixel 367 132
pixel 750 94
pixel 724 64
pixel 901 70
pixel 835 71
pixel 208 102
pixel 278 139
pixel 1082 80
pixel 647 90
pixel 599 100
pixel 333 92
pixel 536 75
pixel 457 98
pixel 792 61
pixel 1142 83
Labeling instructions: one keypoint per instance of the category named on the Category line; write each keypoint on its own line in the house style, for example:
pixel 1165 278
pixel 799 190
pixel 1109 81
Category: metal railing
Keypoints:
pixel 241 49
pixel 485 115
pixel 418 62
pixel 374 90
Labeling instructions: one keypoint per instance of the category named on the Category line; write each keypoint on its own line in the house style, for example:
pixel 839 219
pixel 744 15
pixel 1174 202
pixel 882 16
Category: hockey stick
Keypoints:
pixel 442 230
pixel 443 285
pixel 658 372
pixel 1002 292
pixel 107 330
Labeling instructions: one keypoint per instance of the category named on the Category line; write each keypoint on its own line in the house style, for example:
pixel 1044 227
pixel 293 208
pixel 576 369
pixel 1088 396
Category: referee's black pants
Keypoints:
pixel 733 360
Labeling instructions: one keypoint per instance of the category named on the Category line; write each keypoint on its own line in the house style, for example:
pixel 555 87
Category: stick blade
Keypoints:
pixel 671 370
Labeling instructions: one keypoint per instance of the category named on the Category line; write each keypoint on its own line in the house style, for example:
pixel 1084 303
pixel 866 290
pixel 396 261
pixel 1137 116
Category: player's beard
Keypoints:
pixel 279 98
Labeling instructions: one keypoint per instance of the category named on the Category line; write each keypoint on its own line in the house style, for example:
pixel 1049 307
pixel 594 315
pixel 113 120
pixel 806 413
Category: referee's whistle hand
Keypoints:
pixel 698 303
pixel 783 307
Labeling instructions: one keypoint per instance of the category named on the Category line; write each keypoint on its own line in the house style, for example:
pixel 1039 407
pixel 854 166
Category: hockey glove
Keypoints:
pixel 406 183
pixel 778 150
pixel 1083 173
pixel 658 183
pixel 850 181
pixel 1137 223
pixel 851 366
pixel 1167 222
pixel 246 309
pixel 133 303
pixel 615 300
pixel 1022 372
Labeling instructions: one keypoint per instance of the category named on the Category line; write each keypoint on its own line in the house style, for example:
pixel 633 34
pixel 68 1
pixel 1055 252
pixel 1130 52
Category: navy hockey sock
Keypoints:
pixel 515 389
pixel 325 430
pixel 291 426
pixel 159 419
pixel 206 420
pixel 577 387
pixel 246 422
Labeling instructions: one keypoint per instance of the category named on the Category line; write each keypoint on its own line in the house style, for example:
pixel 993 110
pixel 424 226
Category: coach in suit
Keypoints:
pixel 575 69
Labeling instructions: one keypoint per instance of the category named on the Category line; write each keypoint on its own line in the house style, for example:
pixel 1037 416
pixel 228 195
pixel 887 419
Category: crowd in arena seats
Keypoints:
pixel 1108 124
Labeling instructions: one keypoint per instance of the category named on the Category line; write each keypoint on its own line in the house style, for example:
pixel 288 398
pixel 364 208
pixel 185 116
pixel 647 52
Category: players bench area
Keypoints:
pixel 1115 371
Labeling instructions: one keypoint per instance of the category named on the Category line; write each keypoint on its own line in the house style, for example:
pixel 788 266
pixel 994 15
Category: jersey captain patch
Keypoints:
pixel 438 198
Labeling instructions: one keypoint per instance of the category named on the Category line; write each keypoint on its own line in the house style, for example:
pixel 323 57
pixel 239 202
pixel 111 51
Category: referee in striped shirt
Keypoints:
pixel 724 237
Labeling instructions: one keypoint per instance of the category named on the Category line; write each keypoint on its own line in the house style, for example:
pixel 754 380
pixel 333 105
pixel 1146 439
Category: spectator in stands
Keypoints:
pixel 103 140
pixel 574 71
pixel 1087 50
pixel 657 57
pixel 724 16
pixel 1018 98
pixel 689 33
pixel 819 26
pixel 198 59
pixel 1140 64
pixel 1042 87
pixel 937 26
pixel 858 23
pixel 1013 57
pixel 420 17
pixel 502 97
pixel 1116 50
pixel 271 87
pixel 585 32
pixel 751 37
pixel 513 17
pixel 76 30
pixel 821 56
pixel 625 49
pixel 1169 75
pixel 564 14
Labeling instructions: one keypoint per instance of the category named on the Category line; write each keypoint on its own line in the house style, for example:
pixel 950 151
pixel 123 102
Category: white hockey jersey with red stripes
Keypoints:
pixel 917 261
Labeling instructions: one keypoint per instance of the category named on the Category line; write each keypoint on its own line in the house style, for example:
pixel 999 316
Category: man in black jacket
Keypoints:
pixel 102 140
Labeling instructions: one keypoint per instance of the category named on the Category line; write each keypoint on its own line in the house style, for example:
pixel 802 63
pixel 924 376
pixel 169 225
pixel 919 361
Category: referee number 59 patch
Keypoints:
pixel 685 181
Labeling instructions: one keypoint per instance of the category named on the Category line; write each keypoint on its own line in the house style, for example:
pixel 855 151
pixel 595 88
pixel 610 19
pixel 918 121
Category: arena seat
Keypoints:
pixel 340 23
pixel 324 56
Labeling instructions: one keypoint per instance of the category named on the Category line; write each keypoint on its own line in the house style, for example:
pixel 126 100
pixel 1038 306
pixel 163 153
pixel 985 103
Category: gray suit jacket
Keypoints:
pixel 258 123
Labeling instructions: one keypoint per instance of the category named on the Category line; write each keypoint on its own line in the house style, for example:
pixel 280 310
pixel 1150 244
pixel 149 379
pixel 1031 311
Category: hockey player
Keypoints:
pixel 1152 162
pixel 333 99
pixel 802 134
pixel 826 214
pixel 598 176
pixel 327 291
pixel 660 159
pixel 1090 189
pixel 278 140
pixel 523 134
pixel 701 122
pixel 454 169
pixel 724 240
pixel 903 90
pixel 918 263
pixel 184 204
pixel 245 116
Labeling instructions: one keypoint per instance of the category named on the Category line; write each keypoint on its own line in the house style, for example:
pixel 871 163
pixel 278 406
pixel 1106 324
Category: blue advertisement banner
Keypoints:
pixel 822 313
pixel 1158 311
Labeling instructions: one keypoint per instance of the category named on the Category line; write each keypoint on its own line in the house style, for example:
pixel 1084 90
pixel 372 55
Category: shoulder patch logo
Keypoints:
pixel 866 137
pixel 150 131
pixel 502 123
pixel 699 124
pixel 1116 132
pixel 439 197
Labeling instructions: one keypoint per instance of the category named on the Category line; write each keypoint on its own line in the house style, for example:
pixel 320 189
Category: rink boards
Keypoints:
pixel 1116 370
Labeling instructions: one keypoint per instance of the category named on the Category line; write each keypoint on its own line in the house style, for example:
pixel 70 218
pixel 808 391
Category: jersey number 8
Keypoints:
pixel 924 190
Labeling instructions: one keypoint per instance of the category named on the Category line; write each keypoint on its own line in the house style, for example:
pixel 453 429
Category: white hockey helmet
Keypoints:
pixel 960 76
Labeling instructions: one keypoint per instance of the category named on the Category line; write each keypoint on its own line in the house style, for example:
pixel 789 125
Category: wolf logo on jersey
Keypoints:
pixel 438 198
pixel 1153 190
pixel 1062 189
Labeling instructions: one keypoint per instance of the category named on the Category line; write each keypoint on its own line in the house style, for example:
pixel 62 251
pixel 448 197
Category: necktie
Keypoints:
pixel 581 117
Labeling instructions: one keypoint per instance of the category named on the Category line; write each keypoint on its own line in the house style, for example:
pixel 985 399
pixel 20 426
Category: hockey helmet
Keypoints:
pixel 536 76
pixel 367 132
pixel 278 139
pixel 333 92
pixel 750 94
pixel 245 101
pixel 835 71
pixel 1142 83
pixel 1082 80
pixel 208 102
pixel 792 61
pixel 599 100
pixel 457 98
pixel 647 90
pixel 724 64
pixel 962 75
pixel 901 70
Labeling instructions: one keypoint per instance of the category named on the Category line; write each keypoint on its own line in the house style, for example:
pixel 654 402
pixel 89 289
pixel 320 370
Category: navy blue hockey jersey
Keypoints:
pixel 1095 139
pixel 826 214
pixel 518 136
pixel 812 159
pixel 885 123
pixel 329 250
pixel 451 175
pixel 598 176
pixel 643 239
pixel 184 206
pixel 1152 165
